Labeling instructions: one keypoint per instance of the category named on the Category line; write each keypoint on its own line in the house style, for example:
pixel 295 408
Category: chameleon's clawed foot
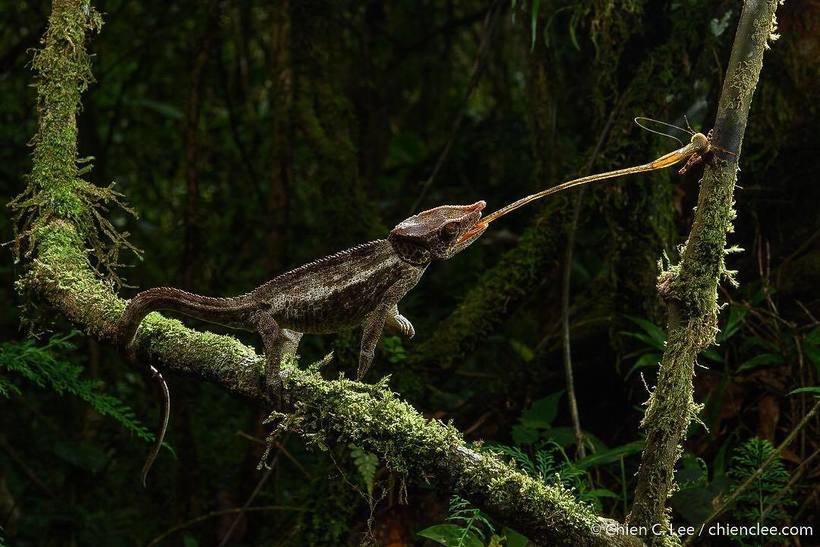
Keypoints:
pixel 405 326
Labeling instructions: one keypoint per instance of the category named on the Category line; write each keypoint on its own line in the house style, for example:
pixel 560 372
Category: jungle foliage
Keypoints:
pixel 249 138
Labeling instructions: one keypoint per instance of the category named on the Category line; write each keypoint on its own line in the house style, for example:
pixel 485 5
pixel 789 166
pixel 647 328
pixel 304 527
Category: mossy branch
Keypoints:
pixel 690 287
pixel 61 224
pixel 56 188
pixel 323 412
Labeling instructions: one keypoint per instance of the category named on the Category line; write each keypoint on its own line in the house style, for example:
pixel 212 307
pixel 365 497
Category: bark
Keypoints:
pixel 690 287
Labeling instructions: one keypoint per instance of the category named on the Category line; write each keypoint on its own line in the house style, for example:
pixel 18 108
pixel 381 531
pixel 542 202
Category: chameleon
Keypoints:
pixel 360 286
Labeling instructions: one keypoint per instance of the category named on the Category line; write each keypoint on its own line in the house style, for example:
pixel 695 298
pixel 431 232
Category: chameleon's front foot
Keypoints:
pixel 399 323
pixel 404 326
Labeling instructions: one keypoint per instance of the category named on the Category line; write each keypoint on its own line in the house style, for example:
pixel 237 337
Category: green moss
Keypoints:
pixel 693 283
pixel 690 287
pixel 344 412
pixel 56 189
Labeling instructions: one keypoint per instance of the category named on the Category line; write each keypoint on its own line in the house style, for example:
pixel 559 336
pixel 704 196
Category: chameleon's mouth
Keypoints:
pixel 476 229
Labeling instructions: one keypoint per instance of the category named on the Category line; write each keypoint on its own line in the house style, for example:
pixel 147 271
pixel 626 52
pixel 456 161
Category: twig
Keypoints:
pixel 214 514
pixel 566 279
pixel 256 489
pixel 690 287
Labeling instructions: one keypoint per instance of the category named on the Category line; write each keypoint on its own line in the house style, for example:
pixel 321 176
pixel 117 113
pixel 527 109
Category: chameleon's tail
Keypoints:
pixel 219 310
pixel 166 413
pixel 214 310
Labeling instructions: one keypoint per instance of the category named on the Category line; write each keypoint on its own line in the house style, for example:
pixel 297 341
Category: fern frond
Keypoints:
pixel 470 520
pixel 366 464
pixel 751 504
pixel 7 389
pixel 41 366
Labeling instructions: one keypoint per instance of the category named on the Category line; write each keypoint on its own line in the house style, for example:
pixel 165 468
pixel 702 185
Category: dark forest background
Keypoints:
pixel 254 137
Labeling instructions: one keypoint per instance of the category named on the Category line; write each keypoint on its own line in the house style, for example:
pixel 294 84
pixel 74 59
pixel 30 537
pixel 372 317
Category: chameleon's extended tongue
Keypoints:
pixel 698 145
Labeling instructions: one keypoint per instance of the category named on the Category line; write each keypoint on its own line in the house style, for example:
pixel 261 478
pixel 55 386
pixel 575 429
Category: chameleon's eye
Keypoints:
pixel 449 231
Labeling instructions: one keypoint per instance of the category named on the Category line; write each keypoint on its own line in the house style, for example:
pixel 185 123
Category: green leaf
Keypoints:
pixel 645 338
pixel 813 337
pixel 648 360
pixel 522 434
pixel 572 36
pixel 814 390
pixel 366 463
pixel 734 321
pixel 189 541
pixel 656 334
pixel 536 8
pixel 712 354
pixel 610 456
pixel 394 350
pixel 601 493
pixel 542 412
pixel 757 342
pixel 451 536
pixel 562 436
pixel 813 353
pixel 762 360
pixel 811 347
pixel 514 539
pixel 7 389
pixel 522 350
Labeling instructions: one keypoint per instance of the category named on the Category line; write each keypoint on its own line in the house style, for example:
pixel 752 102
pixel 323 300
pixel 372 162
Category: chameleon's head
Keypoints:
pixel 437 233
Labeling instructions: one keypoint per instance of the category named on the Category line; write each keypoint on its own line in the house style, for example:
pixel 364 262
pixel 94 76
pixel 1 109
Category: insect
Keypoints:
pixel 699 149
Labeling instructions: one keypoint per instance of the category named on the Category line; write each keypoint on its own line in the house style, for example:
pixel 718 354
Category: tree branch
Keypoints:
pixel 322 412
pixel 690 287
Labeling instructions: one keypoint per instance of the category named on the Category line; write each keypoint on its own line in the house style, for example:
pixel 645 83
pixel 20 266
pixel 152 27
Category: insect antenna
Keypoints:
pixel 640 119
pixel 689 127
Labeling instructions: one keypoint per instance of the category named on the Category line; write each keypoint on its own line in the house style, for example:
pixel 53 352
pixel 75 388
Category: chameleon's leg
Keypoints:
pixel 399 323
pixel 371 332
pixel 273 342
pixel 290 341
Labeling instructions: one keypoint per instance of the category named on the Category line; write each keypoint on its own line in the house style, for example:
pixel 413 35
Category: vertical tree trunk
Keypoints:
pixel 690 288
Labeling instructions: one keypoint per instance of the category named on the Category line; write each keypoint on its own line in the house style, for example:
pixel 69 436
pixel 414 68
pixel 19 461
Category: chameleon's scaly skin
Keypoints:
pixel 360 286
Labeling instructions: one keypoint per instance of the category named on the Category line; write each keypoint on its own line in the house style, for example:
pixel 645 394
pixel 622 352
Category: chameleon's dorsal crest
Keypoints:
pixel 361 286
